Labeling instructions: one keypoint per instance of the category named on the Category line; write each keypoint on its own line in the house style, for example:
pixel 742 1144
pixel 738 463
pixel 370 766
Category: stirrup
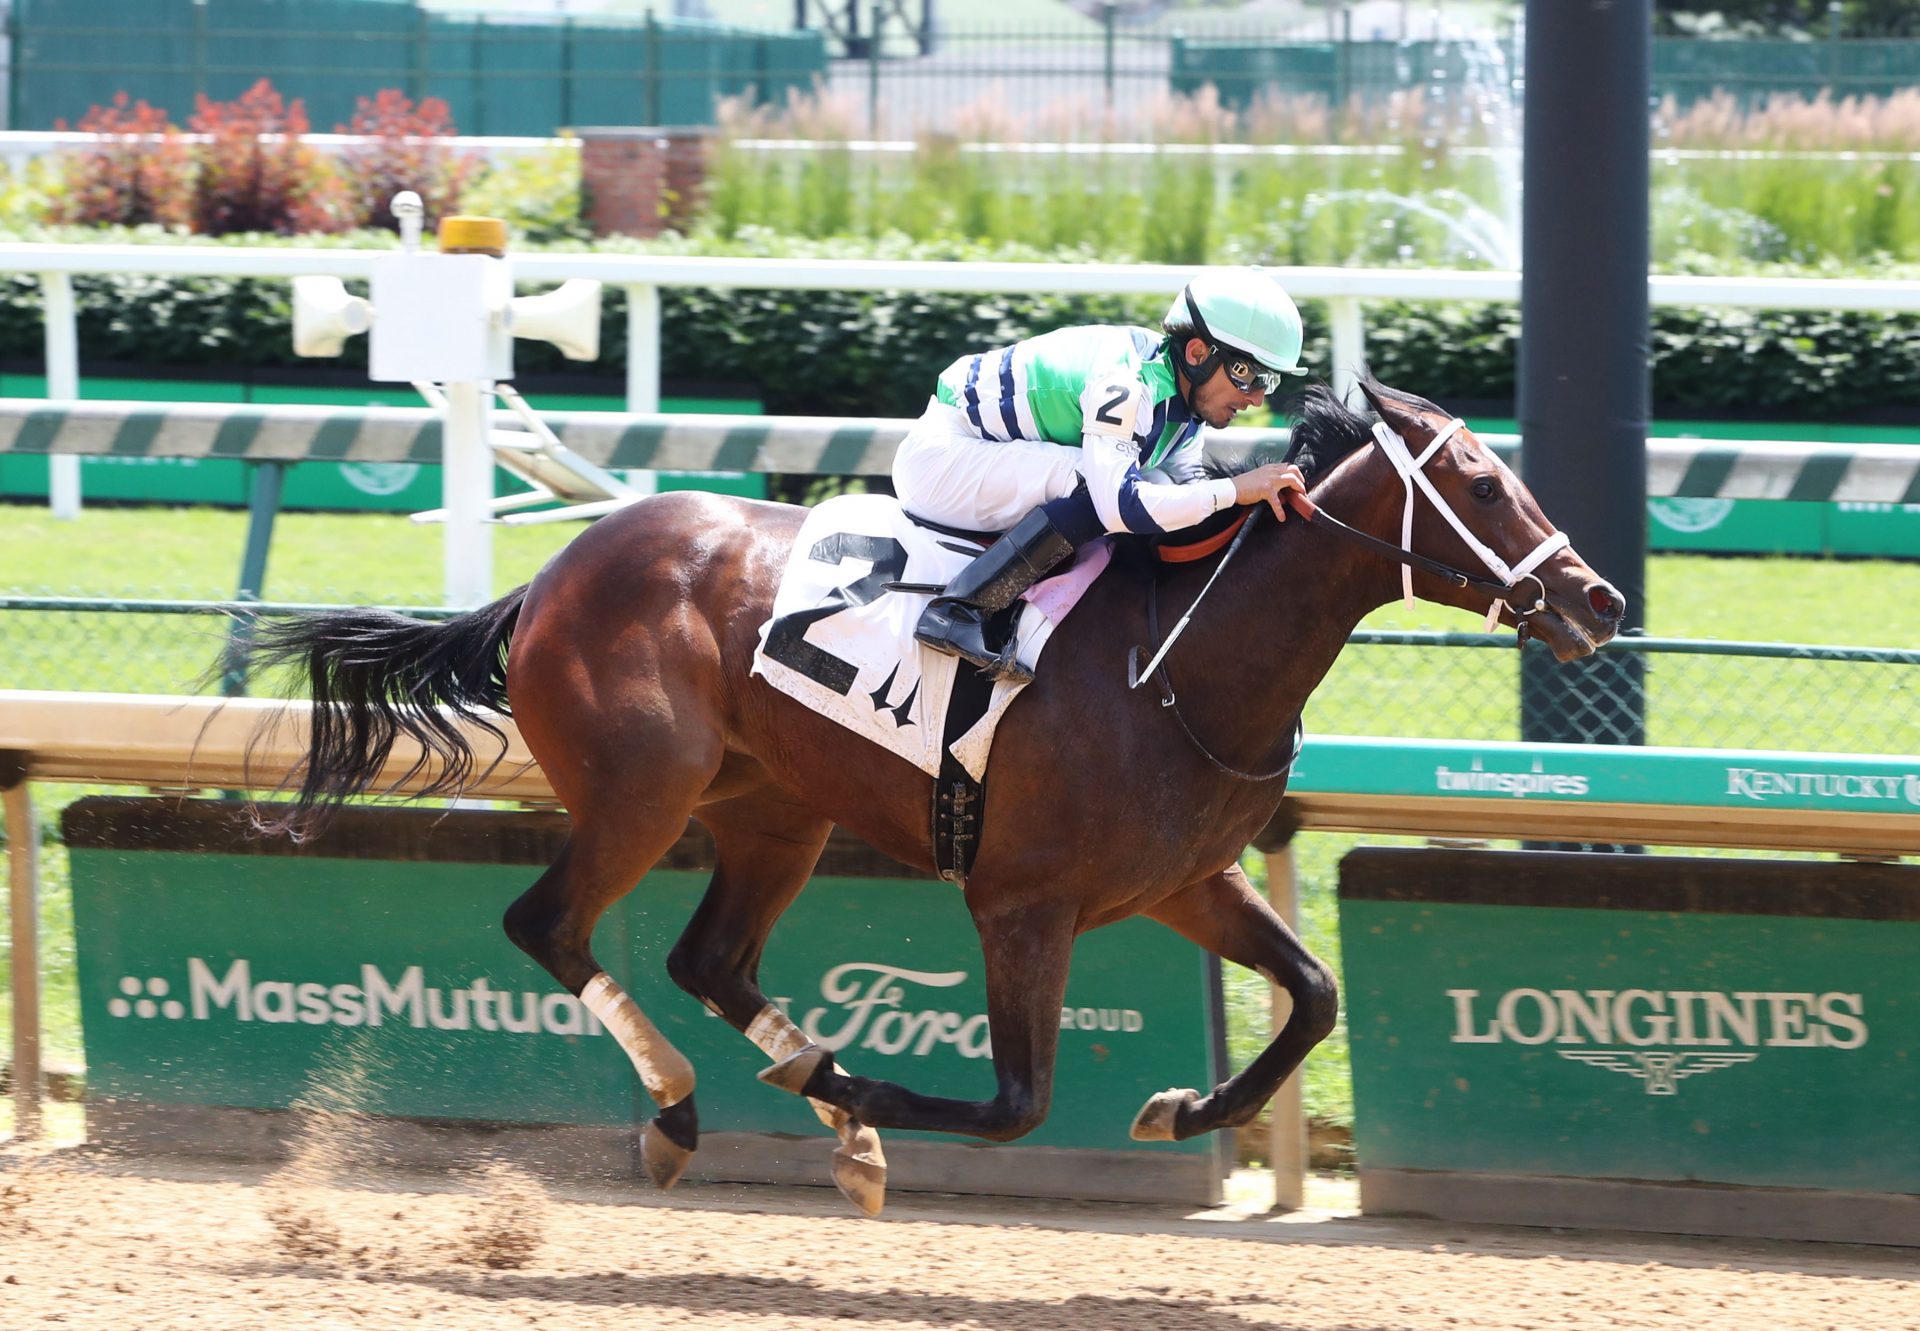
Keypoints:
pixel 944 635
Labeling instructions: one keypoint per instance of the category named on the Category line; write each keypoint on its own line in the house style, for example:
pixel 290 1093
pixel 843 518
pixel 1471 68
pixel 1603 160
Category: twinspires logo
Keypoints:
pixel 375 1001
pixel 1476 780
pixel 1661 1029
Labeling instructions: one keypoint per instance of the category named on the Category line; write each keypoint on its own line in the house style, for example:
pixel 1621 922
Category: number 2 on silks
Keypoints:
pixel 786 640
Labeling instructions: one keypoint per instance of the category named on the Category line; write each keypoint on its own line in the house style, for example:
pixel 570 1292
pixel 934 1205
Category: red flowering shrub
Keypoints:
pixel 140 171
pixel 256 173
pixel 405 148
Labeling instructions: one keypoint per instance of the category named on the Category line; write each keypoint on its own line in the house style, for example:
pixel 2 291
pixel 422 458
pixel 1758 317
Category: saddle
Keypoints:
pixel 840 641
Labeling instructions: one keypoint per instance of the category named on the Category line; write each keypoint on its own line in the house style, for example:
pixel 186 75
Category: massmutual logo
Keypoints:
pixel 375 1000
pixel 1477 780
pixel 862 1005
pixel 1660 1037
pixel 1763 785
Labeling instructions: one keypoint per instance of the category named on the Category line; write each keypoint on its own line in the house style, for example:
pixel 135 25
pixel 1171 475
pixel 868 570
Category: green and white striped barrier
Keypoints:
pixel 856 446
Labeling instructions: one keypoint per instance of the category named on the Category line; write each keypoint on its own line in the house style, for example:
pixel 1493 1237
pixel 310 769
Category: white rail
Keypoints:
pixel 643 275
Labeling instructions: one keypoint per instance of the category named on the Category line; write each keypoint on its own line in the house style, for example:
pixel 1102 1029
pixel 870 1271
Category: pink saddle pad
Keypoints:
pixel 1055 596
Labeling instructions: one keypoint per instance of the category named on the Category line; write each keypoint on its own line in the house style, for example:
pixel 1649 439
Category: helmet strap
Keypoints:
pixel 1209 365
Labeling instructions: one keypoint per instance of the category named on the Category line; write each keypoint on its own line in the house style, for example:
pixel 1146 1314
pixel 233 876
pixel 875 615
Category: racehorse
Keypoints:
pixel 625 663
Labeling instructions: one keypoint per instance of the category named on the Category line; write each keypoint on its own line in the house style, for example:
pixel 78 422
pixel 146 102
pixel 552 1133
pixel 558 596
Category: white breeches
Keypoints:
pixel 946 473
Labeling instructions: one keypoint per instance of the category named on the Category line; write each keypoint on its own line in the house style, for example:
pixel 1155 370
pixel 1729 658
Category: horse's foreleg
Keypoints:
pixel 553 922
pixel 1025 950
pixel 764 850
pixel 1227 917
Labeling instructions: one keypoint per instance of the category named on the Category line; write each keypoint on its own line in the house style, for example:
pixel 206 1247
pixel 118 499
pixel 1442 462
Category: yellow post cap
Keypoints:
pixel 473 235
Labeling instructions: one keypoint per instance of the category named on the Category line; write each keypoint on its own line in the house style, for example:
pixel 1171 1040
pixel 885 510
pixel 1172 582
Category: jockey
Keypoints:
pixel 1087 430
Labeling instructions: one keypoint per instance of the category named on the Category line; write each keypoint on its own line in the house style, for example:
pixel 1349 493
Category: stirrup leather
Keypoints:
pixel 955 622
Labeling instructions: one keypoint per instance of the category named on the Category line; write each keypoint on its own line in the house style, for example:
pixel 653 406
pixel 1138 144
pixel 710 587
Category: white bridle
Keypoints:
pixel 1412 473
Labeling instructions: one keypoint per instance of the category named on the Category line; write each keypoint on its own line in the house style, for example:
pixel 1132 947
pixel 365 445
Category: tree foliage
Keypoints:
pixel 1790 18
pixel 137 172
pixel 256 171
pixel 403 146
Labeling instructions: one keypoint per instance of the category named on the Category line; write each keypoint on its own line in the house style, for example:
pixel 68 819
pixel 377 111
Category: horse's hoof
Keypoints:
pixel 1154 1122
pixel 664 1159
pixel 793 1072
pixel 860 1171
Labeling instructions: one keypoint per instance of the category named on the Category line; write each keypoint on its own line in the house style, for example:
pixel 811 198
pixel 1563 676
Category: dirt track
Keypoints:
pixel 88 1241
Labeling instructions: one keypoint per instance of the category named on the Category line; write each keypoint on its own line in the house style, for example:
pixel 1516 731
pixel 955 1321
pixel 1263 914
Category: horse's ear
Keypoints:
pixel 1396 410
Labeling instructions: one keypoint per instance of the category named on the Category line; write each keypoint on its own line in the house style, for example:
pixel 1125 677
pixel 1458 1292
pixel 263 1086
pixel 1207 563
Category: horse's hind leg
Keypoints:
pixel 1025 947
pixel 553 922
pixel 765 848
pixel 1227 917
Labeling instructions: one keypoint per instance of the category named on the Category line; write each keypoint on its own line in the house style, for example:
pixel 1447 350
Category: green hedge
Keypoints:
pixel 877 353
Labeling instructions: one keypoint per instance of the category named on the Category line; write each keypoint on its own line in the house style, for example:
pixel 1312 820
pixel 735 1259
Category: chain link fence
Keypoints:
pixel 1413 685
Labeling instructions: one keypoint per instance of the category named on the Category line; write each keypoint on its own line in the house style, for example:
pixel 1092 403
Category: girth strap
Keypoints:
pixel 959 802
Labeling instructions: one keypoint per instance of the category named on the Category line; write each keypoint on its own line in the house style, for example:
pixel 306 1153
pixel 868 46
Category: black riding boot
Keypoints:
pixel 955 621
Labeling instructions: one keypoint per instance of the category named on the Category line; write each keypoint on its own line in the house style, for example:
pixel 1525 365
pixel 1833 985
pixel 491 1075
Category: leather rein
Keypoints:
pixel 1410 469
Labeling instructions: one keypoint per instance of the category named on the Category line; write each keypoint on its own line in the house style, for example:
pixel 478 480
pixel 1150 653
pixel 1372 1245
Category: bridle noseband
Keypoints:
pixel 1412 472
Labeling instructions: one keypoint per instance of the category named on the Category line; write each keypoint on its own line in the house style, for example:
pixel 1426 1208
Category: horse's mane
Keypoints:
pixel 1325 431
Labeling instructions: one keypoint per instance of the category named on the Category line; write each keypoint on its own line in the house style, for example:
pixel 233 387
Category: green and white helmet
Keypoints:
pixel 1239 310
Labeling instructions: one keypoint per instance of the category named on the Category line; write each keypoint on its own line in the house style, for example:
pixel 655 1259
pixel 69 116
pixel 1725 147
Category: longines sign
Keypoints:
pixel 1635 1017
pixel 1663 1036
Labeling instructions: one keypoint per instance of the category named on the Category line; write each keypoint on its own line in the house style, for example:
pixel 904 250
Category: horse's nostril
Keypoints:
pixel 1606 602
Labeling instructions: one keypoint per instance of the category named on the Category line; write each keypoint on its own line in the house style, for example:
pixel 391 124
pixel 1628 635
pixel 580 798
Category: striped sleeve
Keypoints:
pixel 1128 503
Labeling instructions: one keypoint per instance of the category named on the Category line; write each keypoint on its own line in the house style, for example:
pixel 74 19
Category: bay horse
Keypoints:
pixel 625 663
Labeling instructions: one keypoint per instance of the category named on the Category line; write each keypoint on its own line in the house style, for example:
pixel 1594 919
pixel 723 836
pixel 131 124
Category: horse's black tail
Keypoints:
pixel 375 676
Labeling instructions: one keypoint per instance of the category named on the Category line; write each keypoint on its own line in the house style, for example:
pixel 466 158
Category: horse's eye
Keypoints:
pixel 1484 488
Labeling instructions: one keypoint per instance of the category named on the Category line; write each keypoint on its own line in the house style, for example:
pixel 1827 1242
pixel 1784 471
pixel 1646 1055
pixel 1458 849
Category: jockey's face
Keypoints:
pixel 1217 401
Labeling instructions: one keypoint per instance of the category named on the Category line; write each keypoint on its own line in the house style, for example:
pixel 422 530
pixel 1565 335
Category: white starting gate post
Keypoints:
pixel 446 319
pixel 445 323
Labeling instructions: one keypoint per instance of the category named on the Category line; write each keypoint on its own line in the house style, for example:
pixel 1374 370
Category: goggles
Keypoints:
pixel 1246 374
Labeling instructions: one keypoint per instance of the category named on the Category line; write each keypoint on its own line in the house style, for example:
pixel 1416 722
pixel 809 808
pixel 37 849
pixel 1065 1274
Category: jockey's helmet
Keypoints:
pixel 1250 326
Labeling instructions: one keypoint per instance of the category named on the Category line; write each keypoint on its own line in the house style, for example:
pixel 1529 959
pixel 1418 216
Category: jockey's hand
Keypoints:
pixel 1280 484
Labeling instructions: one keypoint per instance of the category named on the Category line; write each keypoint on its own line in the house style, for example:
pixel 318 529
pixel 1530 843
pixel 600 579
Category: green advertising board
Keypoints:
pixel 369 972
pixel 1500 771
pixel 1656 1023
pixel 385 487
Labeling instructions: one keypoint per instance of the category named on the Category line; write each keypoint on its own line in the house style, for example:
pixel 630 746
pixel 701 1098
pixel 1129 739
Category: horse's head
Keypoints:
pixel 1468 510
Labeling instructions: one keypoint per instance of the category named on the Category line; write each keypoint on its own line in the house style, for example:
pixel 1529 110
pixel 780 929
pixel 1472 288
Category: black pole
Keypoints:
pixel 1584 379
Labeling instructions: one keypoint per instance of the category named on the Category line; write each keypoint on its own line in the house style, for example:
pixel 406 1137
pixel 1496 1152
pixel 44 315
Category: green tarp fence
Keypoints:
pixel 498 73
pixel 1243 70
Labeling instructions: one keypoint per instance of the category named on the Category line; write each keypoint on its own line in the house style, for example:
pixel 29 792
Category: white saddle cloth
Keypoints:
pixel 844 646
